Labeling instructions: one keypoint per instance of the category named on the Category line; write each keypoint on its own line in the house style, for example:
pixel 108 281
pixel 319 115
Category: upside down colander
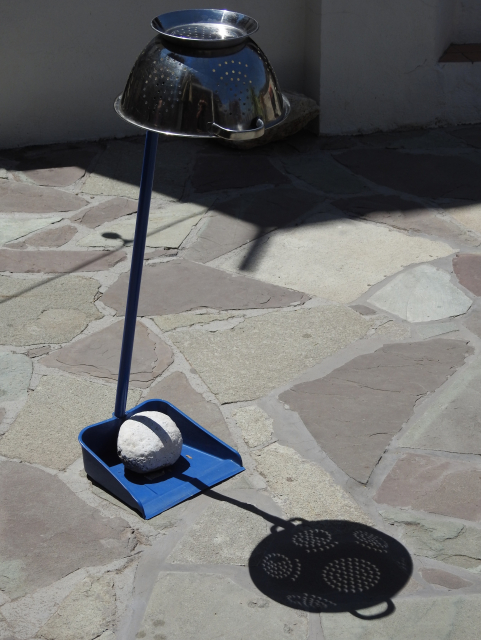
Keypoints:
pixel 203 76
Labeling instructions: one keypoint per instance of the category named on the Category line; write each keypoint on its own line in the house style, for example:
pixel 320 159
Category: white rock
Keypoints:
pixel 148 441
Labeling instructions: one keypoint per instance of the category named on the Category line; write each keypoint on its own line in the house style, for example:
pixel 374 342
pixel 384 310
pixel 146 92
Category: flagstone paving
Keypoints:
pixel 18 261
pixel 25 198
pixel 451 422
pixel 469 216
pixel 52 310
pixel 444 579
pixel 176 389
pixel 400 213
pixel 168 227
pixel 424 175
pixel 53 237
pixel 45 431
pixel 14 227
pixel 367 412
pixel 213 173
pixel 350 256
pixel 354 412
pixel 98 355
pixel 435 485
pixel 236 221
pixel 452 618
pixel 467 268
pixel 105 212
pixel 181 285
pixel 54 534
pixel 421 294
pixel 266 351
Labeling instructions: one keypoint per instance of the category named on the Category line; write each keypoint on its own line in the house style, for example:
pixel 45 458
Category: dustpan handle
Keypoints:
pixel 145 194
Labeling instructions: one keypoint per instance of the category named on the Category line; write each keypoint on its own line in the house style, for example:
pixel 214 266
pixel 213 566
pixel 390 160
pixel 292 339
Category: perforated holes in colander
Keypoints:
pixel 313 540
pixel 279 566
pixel 199 31
pixel 351 575
pixel 309 601
pixel 371 541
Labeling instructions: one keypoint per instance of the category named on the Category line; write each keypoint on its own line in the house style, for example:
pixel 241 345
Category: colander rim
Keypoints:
pixel 172 19
pixel 286 108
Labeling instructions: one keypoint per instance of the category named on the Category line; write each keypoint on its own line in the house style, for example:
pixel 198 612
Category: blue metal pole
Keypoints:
pixel 145 194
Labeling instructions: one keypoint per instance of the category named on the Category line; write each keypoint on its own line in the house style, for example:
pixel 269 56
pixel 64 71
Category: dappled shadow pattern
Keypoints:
pixel 330 566
pixel 325 566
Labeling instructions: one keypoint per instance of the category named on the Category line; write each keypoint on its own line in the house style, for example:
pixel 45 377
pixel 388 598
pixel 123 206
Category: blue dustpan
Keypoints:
pixel 205 460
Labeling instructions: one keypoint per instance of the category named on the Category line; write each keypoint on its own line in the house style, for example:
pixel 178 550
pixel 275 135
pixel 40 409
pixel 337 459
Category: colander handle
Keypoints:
pixel 235 134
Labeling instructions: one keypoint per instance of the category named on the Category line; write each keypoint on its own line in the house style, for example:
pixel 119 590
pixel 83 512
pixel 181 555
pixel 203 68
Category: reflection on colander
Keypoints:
pixel 199 31
pixel 205 28
pixel 330 566
pixel 181 84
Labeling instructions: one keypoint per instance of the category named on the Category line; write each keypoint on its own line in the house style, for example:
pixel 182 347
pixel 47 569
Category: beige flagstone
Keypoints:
pixel 337 259
pixel 168 227
pixel 13 227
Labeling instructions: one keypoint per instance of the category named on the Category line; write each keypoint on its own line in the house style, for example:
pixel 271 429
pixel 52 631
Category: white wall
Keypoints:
pixel 371 64
pixel 378 63
pixel 467 21
pixel 63 62
pixel 312 51
pixel 380 69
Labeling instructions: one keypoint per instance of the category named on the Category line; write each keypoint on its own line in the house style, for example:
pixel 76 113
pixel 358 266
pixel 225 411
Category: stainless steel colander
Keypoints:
pixel 203 76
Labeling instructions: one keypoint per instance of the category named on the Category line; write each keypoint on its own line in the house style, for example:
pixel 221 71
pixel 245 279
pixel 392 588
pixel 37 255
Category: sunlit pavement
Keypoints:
pixel 313 303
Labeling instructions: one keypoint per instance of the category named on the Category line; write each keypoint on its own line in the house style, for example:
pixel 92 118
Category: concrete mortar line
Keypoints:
pixel 49 371
pixel 292 432
pixel 444 214
pixel 437 453
pixel 257 481
pixel 288 427
pixel 298 182
pixel 180 364
pixel 381 189
pixel 435 517
pixel 392 455
pixel 432 563
pixel 315 628
pixel 456 245
pixel 169 541
pixel 410 232
pixel 423 404
pixel 363 346
pixel 237 573
pixel 364 298
pixel 149 567
pixel 45 595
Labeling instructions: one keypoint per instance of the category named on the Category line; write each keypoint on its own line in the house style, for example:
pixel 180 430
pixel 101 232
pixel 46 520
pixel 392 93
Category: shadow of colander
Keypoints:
pixel 330 566
pixel 325 566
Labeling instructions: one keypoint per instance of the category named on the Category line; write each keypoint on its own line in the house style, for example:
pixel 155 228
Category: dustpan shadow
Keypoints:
pixel 326 566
